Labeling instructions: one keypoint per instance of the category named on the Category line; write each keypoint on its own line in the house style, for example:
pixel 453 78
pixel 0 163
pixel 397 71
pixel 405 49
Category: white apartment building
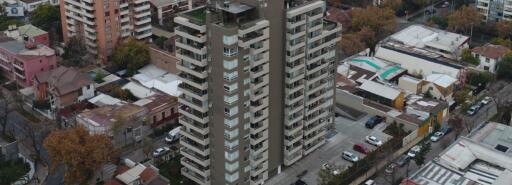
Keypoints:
pixel 495 10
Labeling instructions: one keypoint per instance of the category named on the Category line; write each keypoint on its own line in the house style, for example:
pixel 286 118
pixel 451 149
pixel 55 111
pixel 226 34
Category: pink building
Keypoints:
pixel 22 60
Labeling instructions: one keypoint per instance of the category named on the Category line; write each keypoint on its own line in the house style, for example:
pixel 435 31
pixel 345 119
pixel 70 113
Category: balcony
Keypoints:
pixel 259 93
pixel 259 148
pixel 316 144
pixel 196 48
pixel 292 130
pixel 194 125
pixel 191 34
pixel 259 71
pixel 201 160
pixel 259 116
pixel 259 105
pixel 191 145
pixel 290 159
pixel 259 82
pixel 193 114
pixel 197 71
pixel 191 57
pixel 201 180
pixel 193 81
pixel 253 37
pixel 196 93
pixel 259 137
pixel 258 127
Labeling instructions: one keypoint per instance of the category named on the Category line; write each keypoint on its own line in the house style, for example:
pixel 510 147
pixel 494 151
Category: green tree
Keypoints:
pixel 74 52
pixel 45 17
pixel 461 96
pixel 131 55
pixel 441 22
pixel 419 159
pixel 468 57
pixel 5 22
pixel 480 78
pixel 99 77
pixel 503 42
pixel 505 68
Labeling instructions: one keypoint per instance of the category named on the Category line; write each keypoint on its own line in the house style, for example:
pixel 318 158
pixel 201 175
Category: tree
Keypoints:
pixel 504 29
pixel 503 42
pixel 99 77
pixel 352 44
pixel 441 22
pixel 79 152
pixel 480 78
pixel 131 55
pixel 74 51
pixel 123 94
pixel 393 4
pixel 464 19
pixel 419 159
pixel 33 133
pixel 8 104
pixel 468 57
pixel 505 68
pixel 461 96
pixel 148 147
pixel 45 17
pixel 379 20
pixel 457 124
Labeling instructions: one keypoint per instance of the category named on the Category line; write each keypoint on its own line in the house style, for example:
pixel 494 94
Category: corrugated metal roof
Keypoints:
pixel 379 89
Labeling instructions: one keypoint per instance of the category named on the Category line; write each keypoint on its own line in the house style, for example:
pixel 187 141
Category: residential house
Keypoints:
pixel 423 50
pixel 62 87
pixel 138 174
pixel 160 107
pixel 435 111
pixel 383 94
pixel 482 157
pixel 123 123
pixel 489 55
pixel 438 86
pixel 28 32
pixel 21 61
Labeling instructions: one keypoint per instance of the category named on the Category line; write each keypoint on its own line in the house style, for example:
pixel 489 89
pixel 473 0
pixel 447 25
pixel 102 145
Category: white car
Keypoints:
pixel 413 151
pixel 349 156
pixel 370 182
pixel 486 100
pixel 331 169
pixel 373 140
pixel 437 136
pixel 161 151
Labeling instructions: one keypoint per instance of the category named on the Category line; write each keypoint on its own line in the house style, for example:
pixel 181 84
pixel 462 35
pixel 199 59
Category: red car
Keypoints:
pixel 361 148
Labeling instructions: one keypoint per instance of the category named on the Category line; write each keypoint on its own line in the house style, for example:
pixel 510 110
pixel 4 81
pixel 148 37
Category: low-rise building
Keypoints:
pixel 13 8
pixel 483 157
pixel 123 123
pixel 62 87
pixel 31 5
pixel 489 55
pixel 30 32
pixel 160 107
pixel 139 174
pixel 423 50
pixel 432 112
pixel 21 61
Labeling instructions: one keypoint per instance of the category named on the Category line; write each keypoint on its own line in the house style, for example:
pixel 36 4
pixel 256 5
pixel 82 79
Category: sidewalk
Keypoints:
pixel 41 171
pixel 385 161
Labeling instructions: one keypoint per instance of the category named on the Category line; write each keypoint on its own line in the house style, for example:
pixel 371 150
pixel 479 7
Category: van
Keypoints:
pixel 173 135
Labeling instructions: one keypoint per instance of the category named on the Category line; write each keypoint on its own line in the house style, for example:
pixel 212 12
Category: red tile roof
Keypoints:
pixel 121 169
pixel 112 182
pixel 491 51
pixel 148 174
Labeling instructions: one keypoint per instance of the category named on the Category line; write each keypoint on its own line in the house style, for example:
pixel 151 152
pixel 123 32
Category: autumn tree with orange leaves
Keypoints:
pixel 464 19
pixel 80 153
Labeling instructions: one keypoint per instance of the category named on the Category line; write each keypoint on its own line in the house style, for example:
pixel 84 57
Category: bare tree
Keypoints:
pixel 6 107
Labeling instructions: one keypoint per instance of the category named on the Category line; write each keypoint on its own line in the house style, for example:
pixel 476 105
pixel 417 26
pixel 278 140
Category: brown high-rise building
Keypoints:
pixel 258 87
pixel 102 24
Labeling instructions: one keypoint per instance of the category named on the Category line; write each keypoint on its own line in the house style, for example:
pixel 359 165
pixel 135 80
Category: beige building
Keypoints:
pixel 243 118
pixel 103 24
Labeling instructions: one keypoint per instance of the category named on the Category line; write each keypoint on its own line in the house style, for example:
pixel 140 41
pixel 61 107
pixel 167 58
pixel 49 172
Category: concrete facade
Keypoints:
pixel 495 10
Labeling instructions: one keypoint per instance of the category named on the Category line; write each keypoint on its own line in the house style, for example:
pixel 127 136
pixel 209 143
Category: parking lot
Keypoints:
pixel 348 133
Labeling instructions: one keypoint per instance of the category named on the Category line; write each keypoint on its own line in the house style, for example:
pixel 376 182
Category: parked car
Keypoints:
pixel 349 156
pixel 173 135
pixel 486 100
pixel 361 148
pixel 161 151
pixel 413 151
pixel 403 160
pixel 436 136
pixel 472 110
pixel 331 168
pixel 446 130
pixel 373 140
pixel 373 121
pixel 370 182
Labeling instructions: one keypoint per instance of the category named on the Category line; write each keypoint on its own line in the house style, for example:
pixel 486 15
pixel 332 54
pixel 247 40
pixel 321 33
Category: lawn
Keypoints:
pixel 11 171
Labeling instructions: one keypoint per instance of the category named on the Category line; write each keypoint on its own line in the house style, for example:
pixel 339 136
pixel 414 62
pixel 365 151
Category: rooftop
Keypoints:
pixel 106 115
pixel 472 160
pixel 153 77
pixel 421 36
pixel 380 89
pixel 441 80
pixel 64 79
pixel 104 99
pixel 491 51
pixel 162 3
pixel 235 7
pixel 156 101
pixel 426 104
pixel 19 48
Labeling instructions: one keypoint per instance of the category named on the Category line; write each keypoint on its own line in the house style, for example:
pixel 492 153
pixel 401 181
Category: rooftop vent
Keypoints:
pixel 501 148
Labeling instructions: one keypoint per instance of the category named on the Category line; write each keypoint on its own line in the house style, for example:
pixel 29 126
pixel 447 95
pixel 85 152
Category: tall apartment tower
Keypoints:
pixel 495 10
pixel 258 87
pixel 102 24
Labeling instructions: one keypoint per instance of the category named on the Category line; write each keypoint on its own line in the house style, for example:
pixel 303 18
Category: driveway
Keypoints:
pixel 348 133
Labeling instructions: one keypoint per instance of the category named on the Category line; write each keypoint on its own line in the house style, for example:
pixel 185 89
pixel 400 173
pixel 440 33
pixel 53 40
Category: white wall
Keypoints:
pixel 486 62
pixel 87 92
pixel 414 64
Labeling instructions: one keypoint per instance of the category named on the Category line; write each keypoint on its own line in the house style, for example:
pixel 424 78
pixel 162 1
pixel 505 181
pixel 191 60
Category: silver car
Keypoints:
pixel 349 156
pixel 373 140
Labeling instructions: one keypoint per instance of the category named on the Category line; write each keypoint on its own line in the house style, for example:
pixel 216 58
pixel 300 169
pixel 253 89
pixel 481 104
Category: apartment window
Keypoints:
pixel 230 99
pixel 230 40
pixel 231 145
pixel 230 88
pixel 247 126
pixel 230 52
pixel 230 64
pixel 247 115
pixel 231 134
pixel 487 60
pixel 247 92
pixel 247 81
pixel 231 111
pixel 231 156
pixel 230 76
pixel 231 122
pixel 231 166
pixel 231 177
